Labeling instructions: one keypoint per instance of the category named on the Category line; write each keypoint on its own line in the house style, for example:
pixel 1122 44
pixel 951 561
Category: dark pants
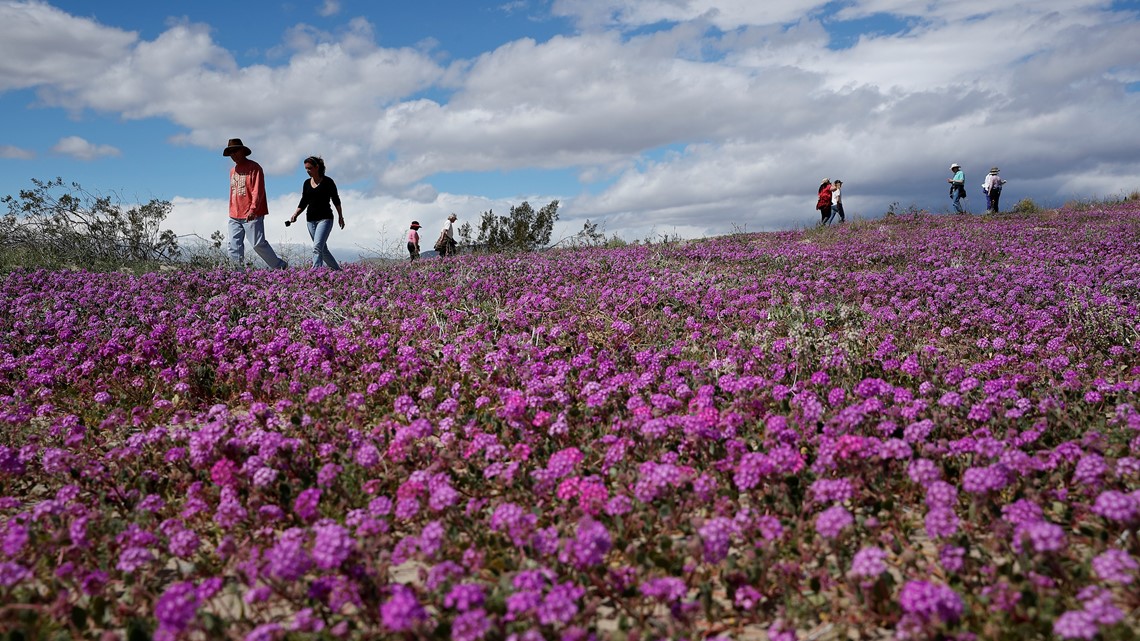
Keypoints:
pixel 992 200
pixel 825 214
pixel 413 251
pixel 838 207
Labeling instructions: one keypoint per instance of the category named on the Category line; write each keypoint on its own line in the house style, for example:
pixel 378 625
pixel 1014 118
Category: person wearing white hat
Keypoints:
pixel 957 186
pixel 992 187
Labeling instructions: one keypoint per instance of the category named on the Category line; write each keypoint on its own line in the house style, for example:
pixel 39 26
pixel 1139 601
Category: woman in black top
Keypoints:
pixel 317 193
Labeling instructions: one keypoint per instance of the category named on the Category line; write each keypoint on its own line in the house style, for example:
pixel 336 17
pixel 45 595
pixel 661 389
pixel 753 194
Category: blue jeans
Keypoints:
pixel 256 230
pixel 956 195
pixel 319 231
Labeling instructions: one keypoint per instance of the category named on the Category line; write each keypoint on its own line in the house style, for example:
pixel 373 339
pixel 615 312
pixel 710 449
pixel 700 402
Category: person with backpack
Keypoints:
pixel 992 187
pixel 957 186
pixel 446 244
pixel 823 204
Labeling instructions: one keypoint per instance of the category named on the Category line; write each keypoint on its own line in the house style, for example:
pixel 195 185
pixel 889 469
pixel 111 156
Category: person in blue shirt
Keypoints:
pixel 957 186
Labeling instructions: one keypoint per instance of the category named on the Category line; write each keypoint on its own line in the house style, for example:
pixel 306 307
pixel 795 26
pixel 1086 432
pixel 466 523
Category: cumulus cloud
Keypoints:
pixel 694 114
pixel 16 153
pixel 81 149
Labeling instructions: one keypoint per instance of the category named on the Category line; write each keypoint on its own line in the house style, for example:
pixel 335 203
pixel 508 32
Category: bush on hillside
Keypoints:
pixel 1025 206
pixel 53 225
pixel 524 229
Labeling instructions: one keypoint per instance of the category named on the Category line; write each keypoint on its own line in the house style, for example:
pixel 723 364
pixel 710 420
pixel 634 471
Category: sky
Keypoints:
pixel 651 118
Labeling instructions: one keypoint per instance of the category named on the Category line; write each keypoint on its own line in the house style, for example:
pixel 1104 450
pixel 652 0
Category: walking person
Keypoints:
pixel 414 240
pixel 992 187
pixel 316 195
pixel 957 187
pixel 823 203
pixel 445 246
pixel 248 207
pixel 837 200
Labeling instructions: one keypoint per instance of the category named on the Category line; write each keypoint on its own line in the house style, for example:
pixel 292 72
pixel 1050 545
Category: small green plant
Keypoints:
pixel 1025 206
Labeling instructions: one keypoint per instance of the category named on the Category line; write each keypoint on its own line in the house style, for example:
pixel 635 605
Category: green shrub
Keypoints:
pixel 53 226
pixel 1025 206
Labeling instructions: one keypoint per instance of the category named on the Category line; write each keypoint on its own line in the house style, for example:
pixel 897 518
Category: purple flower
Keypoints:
pixel 560 604
pixel 470 626
pixel 264 632
pixel 591 543
pixel 1115 506
pixel 1097 602
pixel 717 535
pixel 930 601
pixel 832 521
pixel 832 490
pixel 431 538
pixel 1089 470
pixel 952 558
pixel 668 589
pixel 287 559
pixel 1022 512
pixel 981 480
pixel 306 505
pixel 402 612
pixel 941 494
pixel 868 563
pixel 367 456
pixel 177 607
pixel 133 558
pixel 1046 537
pixel 1075 624
pixel 747 598
pixel 464 597
pixel 184 543
pixel 1115 566
pixel 14 540
pixel 13 573
pixel 332 546
pixel 941 522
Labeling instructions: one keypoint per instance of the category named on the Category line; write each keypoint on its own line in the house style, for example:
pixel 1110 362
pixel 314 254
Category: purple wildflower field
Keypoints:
pixel 921 427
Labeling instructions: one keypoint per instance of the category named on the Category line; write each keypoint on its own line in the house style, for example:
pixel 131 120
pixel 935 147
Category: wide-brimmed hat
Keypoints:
pixel 824 181
pixel 955 166
pixel 415 224
pixel 233 145
pixel 994 170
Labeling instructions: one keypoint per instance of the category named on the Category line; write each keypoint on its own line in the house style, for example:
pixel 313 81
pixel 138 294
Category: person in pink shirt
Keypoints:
pixel 248 207
pixel 414 240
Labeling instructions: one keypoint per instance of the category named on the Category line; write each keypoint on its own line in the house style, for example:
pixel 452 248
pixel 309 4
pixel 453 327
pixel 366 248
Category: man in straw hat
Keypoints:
pixel 248 207
pixel 992 187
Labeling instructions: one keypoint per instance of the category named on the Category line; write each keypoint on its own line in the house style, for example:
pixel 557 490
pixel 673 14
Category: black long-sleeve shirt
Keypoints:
pixel 318 199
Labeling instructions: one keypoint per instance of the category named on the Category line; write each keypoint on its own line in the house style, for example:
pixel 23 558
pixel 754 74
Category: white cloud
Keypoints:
pixel 45 47
pixel 329 8
pixel 753 112
pixel 16 153
pixel 79 148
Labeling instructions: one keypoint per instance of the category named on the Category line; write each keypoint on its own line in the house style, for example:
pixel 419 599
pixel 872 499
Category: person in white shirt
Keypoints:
pixel 447 237
pixel 992 187
pixel 837 200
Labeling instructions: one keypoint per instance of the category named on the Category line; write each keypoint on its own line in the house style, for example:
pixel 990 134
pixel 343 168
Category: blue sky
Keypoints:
pixel 679 117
